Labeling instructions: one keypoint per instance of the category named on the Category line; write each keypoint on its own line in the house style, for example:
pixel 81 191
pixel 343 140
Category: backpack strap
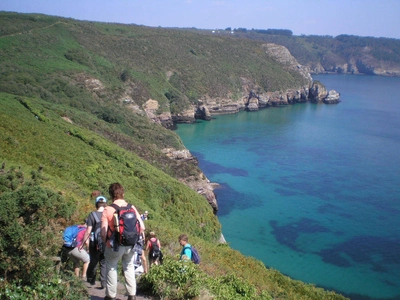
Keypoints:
pixel 96 218
pixel 115 206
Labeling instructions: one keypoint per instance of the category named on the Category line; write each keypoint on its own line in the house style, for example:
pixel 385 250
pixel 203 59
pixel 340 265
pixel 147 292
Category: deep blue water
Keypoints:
pixel 312 190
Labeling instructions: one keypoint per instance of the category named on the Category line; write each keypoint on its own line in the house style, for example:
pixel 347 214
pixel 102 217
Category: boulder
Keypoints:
pixel 202 113
pixel 253 104
pixel 318 92
pixel 332 97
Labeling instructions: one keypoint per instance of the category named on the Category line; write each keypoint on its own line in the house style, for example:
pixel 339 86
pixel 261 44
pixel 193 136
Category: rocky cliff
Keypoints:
pixel 362 62
pixel 252 98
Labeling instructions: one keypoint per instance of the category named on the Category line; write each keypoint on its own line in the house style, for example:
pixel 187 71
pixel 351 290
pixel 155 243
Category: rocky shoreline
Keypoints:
pixel 252 97
pixel 251 100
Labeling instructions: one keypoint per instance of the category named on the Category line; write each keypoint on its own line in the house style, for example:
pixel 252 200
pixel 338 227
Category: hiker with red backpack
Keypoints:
pixel 121 227
pixel 154 249
pixel 95 243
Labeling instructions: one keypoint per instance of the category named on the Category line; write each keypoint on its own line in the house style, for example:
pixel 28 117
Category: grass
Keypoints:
pixel 73 161
pixel 60 141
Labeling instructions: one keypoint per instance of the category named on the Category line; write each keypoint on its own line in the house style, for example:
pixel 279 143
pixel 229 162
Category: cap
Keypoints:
pixel 146 212
pixel 101 199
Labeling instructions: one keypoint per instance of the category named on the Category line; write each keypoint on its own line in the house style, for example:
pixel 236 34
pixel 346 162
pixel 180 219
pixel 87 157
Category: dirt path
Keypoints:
pixel 96 293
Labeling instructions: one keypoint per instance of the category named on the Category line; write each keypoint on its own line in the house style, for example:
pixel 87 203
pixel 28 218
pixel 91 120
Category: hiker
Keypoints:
pixel 186 253
pixel 78 254
pixel 96 250
pixel 117 248
pixel 154 249
pixel 140 253
pixel 145 216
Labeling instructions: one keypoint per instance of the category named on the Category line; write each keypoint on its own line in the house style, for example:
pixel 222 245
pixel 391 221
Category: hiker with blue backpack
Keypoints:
pixel 73 244
pixel 188 253
pixel 95 243
pixel 121 227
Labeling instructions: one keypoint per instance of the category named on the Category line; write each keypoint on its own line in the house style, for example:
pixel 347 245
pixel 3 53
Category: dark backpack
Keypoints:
pixel 155 250
pixel 128 229
pixel 97 241
pixel 70 235
pixel 195 255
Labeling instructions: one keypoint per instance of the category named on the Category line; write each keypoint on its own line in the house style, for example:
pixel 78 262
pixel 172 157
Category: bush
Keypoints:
pixel 55 286
pixel 29 215
pixel 174 280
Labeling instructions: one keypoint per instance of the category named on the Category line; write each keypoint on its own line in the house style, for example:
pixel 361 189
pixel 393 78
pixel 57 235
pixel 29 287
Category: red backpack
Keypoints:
pixel 127 231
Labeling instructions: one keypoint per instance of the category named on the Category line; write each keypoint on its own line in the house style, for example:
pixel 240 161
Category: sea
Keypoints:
pixel 313 190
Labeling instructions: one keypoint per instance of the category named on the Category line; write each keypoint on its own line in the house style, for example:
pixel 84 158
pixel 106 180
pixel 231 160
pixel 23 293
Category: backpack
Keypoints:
pixel 70 235
pixel 195 255
pixel 100 246
pixel 155 250
pixel 128 229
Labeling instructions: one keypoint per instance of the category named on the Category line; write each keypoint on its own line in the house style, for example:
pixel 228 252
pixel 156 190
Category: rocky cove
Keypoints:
pixel 251 97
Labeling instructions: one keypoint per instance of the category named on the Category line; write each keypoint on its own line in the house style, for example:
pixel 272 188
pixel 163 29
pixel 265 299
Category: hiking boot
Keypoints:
pixel 131 297
pixel 109 298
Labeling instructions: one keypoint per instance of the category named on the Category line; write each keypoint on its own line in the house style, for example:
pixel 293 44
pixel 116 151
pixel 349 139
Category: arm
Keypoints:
pixel 147 245
pixel 87 233
pixel 104 225
pixel 139 218
pixel 88 229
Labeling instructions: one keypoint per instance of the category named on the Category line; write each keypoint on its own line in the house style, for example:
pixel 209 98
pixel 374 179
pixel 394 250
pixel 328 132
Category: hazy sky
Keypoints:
pixel 380 18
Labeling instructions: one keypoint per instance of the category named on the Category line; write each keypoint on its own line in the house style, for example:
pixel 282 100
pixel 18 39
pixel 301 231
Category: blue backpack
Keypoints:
pixel 70 235
pixel 195 255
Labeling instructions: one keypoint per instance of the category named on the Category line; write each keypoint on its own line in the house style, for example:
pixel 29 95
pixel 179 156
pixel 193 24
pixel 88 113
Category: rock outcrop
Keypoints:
pixel 283 56
pixel 360 62
pixel 199 182
pixel 332 97
pixel 202 112
pixel 318 92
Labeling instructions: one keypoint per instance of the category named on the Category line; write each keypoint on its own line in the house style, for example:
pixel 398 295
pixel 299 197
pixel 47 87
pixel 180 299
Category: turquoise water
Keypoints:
pixel 313 190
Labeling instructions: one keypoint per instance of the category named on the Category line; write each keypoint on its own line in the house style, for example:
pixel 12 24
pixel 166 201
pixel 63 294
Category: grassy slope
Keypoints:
pixel 77 158
pixel 75 161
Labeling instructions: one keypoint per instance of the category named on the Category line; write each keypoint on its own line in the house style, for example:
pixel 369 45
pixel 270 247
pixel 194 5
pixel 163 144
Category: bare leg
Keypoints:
pixel 144 263
pixel 84 269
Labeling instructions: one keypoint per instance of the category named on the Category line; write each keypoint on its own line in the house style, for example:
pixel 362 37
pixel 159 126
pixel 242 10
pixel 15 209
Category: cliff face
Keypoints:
pixel 361 62
pixel 252 94
pixel 253 97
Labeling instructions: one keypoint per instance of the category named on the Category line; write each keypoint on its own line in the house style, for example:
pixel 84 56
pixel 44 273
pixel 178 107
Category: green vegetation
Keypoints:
pixel 61 139
pixel 328 51
pixel 49 170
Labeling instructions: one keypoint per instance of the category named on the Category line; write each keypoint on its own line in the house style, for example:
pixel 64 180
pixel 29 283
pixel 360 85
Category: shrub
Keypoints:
pixel 29 215
pixel 174 280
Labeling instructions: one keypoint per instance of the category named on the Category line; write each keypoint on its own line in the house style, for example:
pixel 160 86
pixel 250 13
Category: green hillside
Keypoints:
pixel 331 53
pixel 60 141
pixel 49 57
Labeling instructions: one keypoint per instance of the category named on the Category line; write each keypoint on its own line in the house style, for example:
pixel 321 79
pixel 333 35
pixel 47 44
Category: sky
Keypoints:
pixel 378 18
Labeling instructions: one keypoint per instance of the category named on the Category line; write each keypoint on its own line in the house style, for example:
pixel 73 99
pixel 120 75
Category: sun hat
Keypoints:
pixel 101 199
